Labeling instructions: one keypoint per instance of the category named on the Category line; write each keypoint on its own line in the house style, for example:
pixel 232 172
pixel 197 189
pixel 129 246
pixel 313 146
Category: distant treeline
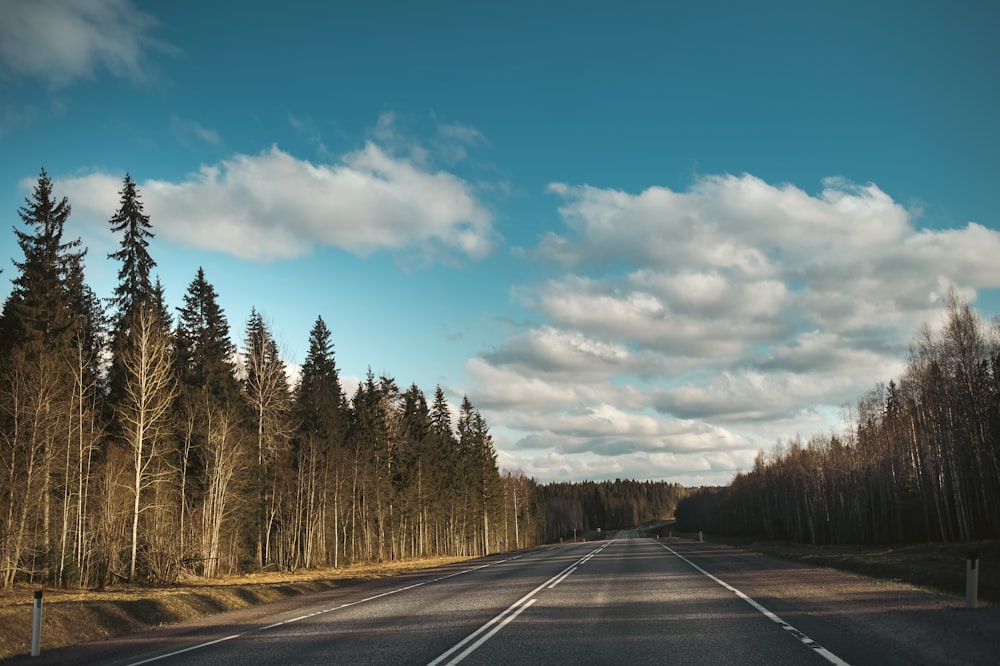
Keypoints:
pixel 583 508
pixel 919 460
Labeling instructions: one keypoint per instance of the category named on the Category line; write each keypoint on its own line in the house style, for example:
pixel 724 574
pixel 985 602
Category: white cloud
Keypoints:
pixel 64 41
pixel 187 130
pixel 454 140
pixel 683 331
pixel 275 206
pixel 693 469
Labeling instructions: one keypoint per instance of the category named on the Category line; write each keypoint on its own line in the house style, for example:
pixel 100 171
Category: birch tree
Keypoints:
pixel 149 390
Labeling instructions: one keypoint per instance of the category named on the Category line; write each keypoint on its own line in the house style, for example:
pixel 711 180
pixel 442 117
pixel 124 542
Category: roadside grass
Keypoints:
pixel 72 617
pixel 940 566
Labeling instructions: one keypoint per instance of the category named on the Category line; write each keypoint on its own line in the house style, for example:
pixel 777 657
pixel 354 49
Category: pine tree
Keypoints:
pixel 210 411
pixel 205 351
pixel 43 320
pixel 39 307
pixel 319 440
pixel 319 395
pixel 448 480
pixel 134 286
pixel 415 465
pixel 134 291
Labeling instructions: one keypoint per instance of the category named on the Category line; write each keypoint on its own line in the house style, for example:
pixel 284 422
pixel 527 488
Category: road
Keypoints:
pixel 626 600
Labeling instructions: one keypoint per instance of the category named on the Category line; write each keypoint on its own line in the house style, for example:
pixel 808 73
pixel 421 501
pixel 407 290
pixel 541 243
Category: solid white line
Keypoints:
pixel 187 649
pixel 510 610
pixel 816 647
pixel 561 578
pixel 472 648
pixel 319 612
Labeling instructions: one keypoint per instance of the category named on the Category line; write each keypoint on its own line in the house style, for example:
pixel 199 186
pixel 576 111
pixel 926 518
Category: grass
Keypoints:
pixel 79 616
pixel 71 617
pixel 940 566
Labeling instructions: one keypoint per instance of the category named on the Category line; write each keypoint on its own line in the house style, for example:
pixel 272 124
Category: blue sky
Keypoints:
pixel 646 239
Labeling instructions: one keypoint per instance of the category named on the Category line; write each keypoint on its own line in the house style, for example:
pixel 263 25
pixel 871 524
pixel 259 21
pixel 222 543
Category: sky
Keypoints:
pixel 646 239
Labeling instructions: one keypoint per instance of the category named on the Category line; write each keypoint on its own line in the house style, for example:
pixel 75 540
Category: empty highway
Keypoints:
pixel 627 600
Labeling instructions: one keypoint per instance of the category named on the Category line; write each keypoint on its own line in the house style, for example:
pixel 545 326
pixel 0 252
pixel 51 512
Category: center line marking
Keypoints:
pixel 507 615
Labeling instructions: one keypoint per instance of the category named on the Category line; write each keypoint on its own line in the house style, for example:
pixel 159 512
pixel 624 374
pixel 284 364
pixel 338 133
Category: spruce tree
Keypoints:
pixel 205 352
pixel 415 465
pixel 43 320
pixel 319 394
pixel 134 291
pixel 212 448
pixel 134 286
pixel 39 306
pixel 446 464
pixel 319 440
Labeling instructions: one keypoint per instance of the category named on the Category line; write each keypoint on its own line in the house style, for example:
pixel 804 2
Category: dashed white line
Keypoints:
pixel 816 647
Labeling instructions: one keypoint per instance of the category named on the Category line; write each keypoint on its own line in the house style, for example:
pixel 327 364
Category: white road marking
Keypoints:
pixel 187 649
pixel 319 612
pixel 562 577
pixel 507 615
pixel 472 648
pixel 816 647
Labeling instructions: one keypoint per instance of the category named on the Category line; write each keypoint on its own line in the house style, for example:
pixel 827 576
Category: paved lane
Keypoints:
pixel 628 600
pixel 636 602
pixel 411 624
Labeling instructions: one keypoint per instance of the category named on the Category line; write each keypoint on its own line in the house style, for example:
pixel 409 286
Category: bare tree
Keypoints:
pixel 224 458
pixel 27 392
pixel 266 390
pixel 149 391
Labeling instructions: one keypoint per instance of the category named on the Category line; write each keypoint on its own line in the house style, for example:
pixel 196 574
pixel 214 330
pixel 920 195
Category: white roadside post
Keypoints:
pixel 971 579
pixel 36 626
pixel 701 536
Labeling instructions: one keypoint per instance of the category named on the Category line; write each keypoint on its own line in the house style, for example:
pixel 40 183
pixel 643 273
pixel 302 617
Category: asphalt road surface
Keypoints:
pixel 622 601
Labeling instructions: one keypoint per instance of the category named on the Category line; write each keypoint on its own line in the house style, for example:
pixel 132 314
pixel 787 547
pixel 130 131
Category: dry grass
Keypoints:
pixel 78 616
pixel 941 566
pixel 71 617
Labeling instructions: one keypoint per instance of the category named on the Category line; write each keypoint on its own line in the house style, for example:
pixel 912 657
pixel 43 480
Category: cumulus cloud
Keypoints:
pixel 62 42
pixel 275 206
pixel 679 326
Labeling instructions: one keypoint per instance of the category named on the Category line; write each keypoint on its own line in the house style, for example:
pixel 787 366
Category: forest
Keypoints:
pixel 918 460
pixel 139 445
pixel 591 508
pixel 136 445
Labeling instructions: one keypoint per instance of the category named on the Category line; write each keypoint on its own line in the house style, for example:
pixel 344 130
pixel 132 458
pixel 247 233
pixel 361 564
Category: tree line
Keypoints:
pixel 918 459
pixel 588 507
pixel 137 444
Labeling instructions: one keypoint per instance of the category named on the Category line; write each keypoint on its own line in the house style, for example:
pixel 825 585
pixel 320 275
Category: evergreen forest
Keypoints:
pixel 918 459
pixel 139 444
